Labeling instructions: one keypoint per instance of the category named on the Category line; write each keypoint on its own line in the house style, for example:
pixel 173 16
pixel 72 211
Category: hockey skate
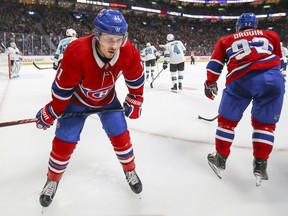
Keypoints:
pixel 134 181
pixel 180 86
pixel 217 162
pixel 174 88
pixel 259 170
pixel 48 192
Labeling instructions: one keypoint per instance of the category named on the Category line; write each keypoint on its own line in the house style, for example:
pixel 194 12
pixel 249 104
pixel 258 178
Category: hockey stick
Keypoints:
pixel 151 84
pixel 65 115
pixel 39 68
pixel 3 46
pixel 206 119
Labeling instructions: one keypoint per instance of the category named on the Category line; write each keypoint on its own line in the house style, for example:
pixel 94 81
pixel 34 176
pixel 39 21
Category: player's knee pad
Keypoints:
pixel 121 140
pixel 226 124
pixel 262 126
pixel 62 149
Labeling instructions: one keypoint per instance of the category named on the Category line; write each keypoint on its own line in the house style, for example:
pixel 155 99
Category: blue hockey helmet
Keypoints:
pixel 246 21
pixel 110 22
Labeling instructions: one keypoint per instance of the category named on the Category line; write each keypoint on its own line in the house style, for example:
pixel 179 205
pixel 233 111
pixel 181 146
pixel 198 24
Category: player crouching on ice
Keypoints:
pixel 253 59
pixel 85 82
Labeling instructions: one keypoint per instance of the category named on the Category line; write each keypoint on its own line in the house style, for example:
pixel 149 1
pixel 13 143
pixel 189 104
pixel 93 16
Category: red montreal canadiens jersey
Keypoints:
pixel 86 80
pixel 243 52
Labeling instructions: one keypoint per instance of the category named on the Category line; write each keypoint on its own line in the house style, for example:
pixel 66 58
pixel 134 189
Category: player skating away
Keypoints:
pixel 71 36
pixel 284 51
pixel 151 55
pixel 192 61
pixel 15 59
pixel 253 59
pixel 175 53
pixel 85 81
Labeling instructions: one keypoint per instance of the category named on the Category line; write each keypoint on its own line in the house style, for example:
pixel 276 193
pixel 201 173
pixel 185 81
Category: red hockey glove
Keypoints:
pixel 46 116
pixel 133 106
pixel 211 89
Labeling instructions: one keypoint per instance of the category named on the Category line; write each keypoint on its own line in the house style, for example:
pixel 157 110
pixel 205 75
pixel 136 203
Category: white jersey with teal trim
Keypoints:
pixel 63 45
pixel 284 53
pixel 174 51
pixel 150 53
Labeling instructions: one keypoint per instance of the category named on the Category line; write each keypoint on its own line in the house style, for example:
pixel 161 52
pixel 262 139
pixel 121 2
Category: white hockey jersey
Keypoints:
pixel 14 53
pixel 150 53
pixel 61 48
pixel 174 51
pixel 284 53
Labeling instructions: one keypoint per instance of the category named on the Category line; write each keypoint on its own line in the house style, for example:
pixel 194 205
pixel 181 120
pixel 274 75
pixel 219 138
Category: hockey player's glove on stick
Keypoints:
pixel 46 117
pixel 133 106
pixel 65 115
pixel 211 89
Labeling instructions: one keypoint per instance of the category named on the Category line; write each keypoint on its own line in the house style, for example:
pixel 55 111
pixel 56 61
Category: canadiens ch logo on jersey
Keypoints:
pixel 99 94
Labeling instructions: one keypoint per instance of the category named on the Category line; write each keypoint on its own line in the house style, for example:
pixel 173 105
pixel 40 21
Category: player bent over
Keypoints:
pixel 85 81
pixel 253 59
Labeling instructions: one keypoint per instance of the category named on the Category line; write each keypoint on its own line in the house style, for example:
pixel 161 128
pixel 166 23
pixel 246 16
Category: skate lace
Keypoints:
pixel 132 177
pixel 50 188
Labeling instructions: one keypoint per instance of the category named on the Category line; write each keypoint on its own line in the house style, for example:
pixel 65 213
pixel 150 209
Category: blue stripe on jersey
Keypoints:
pixel 225 134
pixel 215 66
pixel 263 136
pixel 62 93
pixel 136 83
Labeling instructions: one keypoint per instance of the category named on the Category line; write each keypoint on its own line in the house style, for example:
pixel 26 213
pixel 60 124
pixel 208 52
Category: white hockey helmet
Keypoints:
pixel 71 32
pixel 148 44
pixel 13 44
pixel 170 37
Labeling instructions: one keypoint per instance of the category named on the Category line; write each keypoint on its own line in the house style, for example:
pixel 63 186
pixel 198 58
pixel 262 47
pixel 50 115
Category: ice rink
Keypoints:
pixel 170 144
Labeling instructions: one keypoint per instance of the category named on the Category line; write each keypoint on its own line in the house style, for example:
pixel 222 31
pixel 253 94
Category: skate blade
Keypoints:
pixel 176 91
pixel 216 170
pixel 258 180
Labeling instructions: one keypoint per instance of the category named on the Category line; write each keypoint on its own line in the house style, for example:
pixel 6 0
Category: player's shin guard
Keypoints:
pixel 124 151
pixel 263 139
pixel 224 135
pixel 59 158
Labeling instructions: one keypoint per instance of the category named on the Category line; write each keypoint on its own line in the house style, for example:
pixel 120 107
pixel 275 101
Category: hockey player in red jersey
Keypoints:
pixel 253 59
pixel 85 82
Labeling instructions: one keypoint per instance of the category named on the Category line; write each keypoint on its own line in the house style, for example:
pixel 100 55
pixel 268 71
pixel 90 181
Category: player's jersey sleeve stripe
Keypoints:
pixel 214 66
pixel 61 93
pixel 134 84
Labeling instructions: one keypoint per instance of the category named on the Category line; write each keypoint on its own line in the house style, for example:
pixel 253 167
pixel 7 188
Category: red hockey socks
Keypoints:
pixel 124 151
pixel 224 135
pixel 263 139
pixel 59 158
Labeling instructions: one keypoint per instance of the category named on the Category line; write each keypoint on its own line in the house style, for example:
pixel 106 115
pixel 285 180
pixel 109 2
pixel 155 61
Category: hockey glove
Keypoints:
pixel 165 65
pixel 55 66
pixel 157 57
pixel 133 106
pixel 211 89
pixel 46 116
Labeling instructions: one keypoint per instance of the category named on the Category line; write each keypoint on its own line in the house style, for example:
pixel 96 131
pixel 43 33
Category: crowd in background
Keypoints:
pixel 37 29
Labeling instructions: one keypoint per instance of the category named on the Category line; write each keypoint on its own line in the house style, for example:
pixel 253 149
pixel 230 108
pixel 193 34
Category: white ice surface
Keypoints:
pixel 170 144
